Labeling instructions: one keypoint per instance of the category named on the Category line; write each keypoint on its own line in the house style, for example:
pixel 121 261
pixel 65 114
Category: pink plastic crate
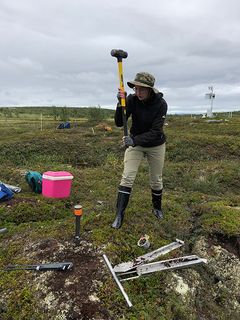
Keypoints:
pixel 56 184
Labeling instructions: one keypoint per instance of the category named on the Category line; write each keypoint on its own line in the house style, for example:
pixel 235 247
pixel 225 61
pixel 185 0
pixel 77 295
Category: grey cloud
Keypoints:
pixel 58 52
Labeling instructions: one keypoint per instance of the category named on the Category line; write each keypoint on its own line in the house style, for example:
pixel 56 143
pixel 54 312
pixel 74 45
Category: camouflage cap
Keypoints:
pixel 143 79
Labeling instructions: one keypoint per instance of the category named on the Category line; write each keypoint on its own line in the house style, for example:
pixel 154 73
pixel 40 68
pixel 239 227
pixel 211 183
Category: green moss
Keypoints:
pixel 22 305
pixel 221 219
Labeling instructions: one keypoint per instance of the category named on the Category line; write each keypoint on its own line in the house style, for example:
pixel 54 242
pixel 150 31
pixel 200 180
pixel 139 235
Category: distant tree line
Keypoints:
pixel 95 113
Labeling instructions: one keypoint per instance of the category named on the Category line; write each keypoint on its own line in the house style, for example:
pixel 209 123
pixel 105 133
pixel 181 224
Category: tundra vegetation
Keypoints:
pixel 201 204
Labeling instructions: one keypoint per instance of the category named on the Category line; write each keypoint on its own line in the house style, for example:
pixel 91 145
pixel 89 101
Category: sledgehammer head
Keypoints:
pixel 119 54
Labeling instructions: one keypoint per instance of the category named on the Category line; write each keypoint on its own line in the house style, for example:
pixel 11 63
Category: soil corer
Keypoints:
pixel 78 214
pixel 138 267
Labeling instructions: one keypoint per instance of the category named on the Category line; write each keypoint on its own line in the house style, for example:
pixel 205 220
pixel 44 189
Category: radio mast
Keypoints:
pixel 211 96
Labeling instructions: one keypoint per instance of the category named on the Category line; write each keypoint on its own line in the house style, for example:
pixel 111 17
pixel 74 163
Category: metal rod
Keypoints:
pixel 78 213
pixel 117 281
pixel 129 278
pixel 62 266
pixel 161 251
pixel 77 230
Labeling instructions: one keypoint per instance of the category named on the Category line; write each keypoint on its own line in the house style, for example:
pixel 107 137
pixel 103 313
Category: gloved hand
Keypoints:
pixel 121 94
pixel 128 141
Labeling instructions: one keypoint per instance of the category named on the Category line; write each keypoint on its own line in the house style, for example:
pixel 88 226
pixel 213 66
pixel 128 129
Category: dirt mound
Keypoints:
pixel 71 294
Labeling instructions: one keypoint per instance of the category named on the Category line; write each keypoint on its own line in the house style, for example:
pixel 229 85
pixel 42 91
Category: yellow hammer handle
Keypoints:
pixel 120 72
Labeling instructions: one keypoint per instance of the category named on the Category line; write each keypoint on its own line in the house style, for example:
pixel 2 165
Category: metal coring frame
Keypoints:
pixel 136 268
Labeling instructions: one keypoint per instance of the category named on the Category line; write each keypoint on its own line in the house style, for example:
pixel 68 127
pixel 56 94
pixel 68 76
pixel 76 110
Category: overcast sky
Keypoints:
pixel 57 52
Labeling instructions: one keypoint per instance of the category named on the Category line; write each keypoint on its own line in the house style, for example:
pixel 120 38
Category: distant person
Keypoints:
pixel 148 110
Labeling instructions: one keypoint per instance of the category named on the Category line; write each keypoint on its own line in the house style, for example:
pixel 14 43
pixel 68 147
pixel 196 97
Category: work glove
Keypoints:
pixel 128 141
pixel 120 95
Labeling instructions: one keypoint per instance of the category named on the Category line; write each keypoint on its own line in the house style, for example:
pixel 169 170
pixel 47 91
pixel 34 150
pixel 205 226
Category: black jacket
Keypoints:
pixel 147 119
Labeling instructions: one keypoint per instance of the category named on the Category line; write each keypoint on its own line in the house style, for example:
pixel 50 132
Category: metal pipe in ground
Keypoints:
pixel 78 214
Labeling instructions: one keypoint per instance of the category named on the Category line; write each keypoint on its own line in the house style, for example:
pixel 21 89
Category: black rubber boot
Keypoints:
pixel 122 202
pixel 157 203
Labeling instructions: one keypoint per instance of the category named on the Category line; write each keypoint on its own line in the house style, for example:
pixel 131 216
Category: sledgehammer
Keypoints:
pixel 120 54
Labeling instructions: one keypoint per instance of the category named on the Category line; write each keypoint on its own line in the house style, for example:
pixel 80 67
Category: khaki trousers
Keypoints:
pixel 132 159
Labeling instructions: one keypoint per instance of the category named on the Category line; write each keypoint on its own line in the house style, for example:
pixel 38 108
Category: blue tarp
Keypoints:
pixel 64 125
pixel 5 193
